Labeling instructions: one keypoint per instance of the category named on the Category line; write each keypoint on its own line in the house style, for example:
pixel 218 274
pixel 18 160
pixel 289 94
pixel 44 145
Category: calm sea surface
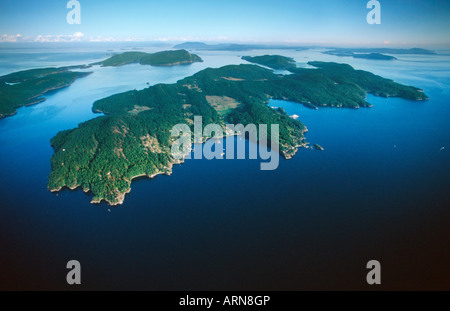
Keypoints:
pixel 379 191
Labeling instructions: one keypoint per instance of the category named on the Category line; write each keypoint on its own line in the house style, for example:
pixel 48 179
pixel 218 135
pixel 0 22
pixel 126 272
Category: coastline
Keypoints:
pixel 168 171
pixel 121 196
pixel 38 98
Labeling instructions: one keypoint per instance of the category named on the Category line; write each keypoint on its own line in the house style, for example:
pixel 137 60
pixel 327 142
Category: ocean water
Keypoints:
pixel 378 191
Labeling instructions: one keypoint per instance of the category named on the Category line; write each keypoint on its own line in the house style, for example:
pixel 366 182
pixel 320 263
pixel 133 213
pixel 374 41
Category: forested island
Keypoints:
pixel 351 51
pixel 28 87
pixel 376 53
pixel 133 139
pixel 164 58
pixel 319 147
pixel 201 46
pixel 373 56
pixel 272 61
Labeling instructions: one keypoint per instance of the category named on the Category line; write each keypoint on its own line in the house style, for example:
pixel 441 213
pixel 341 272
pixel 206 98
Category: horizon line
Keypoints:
pixel 269 44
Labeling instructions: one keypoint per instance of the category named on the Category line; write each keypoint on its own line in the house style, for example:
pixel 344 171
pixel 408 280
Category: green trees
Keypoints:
pixel 103 155
pixel 164 58
pixel 27 87
pixel 272 61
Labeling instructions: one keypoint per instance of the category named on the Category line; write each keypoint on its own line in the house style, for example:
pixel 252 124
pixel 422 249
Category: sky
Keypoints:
pixel 321 22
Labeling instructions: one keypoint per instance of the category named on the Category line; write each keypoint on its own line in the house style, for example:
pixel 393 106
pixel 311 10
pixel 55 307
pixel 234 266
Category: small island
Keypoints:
pixel 372 56
pixel 28 87
pixel 164 58
pixel 201 46
pixel 133 137
pixel 272 61
pixel 367 51
pixel 319 147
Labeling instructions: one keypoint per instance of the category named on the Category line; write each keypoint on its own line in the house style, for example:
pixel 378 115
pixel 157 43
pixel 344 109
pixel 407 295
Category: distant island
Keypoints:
pixel 272 61
pixel 133 139
pixel 28 87
pixel 201 46
pixel 233 47
pixel 350 51
pixel 165 58
pixel 376 54
pixel 319 147
pixel 373 56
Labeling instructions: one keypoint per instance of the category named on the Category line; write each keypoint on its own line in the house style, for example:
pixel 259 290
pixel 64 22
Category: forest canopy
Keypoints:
pixel 164 58
pixel 134 137
pixel 28 87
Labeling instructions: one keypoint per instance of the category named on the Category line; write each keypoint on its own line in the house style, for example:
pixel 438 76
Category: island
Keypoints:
pixel 164 58
pixel 201 46
pixel 272 61
pixel 351 51
pixel 374 56
pixel 28 87
pixel 133 137
pixel 319 147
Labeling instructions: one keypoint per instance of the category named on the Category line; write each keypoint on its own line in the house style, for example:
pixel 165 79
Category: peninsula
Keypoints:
pixel 272 61
pixel 133 138
pixel 28 87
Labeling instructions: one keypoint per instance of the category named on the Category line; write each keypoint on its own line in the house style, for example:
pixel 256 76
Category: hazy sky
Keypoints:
pixel 411 22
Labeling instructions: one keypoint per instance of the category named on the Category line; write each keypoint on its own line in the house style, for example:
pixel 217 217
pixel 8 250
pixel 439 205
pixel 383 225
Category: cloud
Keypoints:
pixel 193 38
pixel 81 37
pixel 76 37
pixel 11 38
pixel 113 39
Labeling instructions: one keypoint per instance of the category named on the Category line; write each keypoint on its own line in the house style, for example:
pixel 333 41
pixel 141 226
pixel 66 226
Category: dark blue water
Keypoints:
pixel 379 191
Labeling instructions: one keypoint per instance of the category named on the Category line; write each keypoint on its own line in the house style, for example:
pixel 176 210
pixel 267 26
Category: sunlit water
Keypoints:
pixel 378 191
